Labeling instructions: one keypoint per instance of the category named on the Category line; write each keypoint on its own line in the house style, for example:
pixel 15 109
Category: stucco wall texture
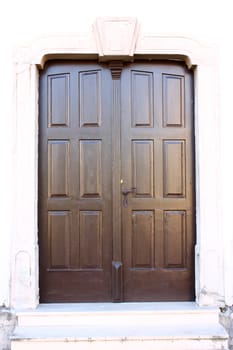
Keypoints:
pixel 7 324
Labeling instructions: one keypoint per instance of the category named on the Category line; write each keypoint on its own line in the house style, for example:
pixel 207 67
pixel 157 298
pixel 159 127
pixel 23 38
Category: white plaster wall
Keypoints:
pixel 6 159
pixel 226 122
pixel 206 20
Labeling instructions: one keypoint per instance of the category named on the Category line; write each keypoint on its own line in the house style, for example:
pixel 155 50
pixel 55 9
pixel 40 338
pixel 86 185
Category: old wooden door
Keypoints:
pixel 115 183
pixel 156 157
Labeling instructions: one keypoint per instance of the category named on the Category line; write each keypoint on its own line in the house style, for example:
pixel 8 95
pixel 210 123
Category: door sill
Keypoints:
pixel 73 313
pixel 185 306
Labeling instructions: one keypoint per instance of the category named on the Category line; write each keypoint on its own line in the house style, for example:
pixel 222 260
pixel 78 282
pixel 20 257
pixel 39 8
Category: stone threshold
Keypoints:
pixel 119 307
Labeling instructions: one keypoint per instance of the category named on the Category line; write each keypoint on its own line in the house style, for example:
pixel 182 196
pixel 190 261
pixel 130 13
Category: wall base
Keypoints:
pixel 226 319
pixel 7 325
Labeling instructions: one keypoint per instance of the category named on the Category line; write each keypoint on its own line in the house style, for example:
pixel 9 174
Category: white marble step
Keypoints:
pixel 89 313
pixel 158 326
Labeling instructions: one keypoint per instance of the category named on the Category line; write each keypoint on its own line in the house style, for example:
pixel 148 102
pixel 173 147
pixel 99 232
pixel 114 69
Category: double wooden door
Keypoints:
pixel 116 202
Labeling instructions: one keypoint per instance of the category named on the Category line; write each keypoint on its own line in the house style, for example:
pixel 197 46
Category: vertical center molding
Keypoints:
pixel 117 266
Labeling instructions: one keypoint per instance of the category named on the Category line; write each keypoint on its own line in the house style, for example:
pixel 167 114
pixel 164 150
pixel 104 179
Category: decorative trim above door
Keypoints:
pixel 116 37
pixel 112 39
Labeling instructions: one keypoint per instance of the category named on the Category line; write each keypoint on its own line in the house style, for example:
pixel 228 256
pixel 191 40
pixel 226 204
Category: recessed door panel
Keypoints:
pixel 59 227
pixel 143 167
pixel 90 168
pixel 91 235
pixel 173 100
pixel 58 158
pixel 58 100
pixel 142 240
pixel 142 98
pixel 90 98
pixel 174 170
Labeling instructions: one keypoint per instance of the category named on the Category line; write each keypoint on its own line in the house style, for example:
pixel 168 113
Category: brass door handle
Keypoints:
pixel 125 193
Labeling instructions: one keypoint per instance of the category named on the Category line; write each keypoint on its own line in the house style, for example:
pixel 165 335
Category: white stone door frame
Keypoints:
pixel 116 38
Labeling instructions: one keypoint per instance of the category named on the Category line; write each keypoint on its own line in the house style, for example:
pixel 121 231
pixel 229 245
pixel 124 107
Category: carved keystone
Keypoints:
pixel 116 37
pixel 116 69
